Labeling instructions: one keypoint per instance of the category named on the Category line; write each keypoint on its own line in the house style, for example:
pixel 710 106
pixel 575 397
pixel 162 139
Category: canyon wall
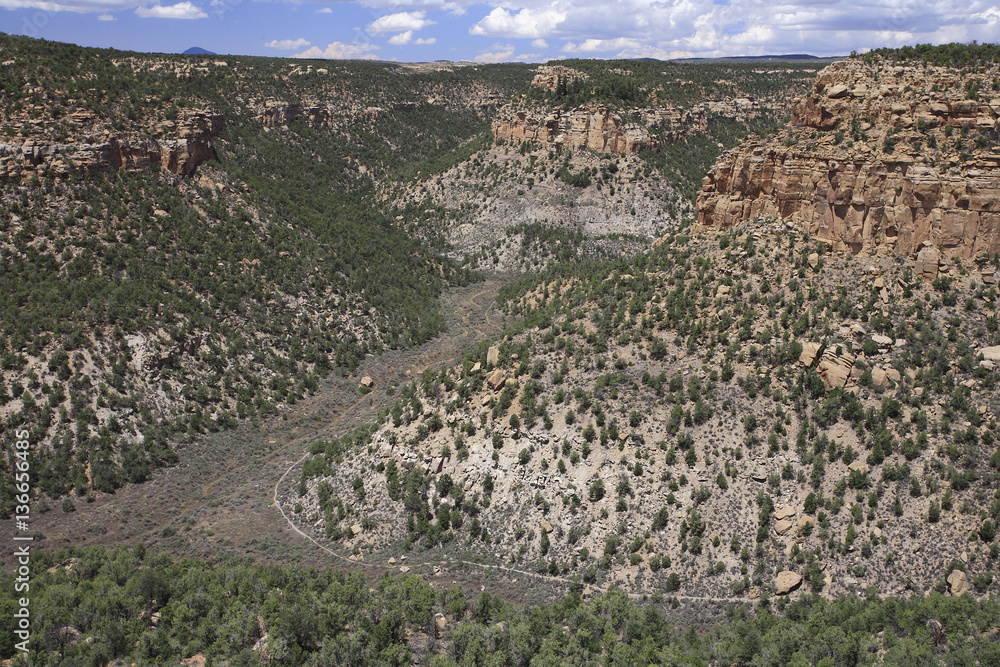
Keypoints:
pixel 597 128
pixel 879 158
pixel 187 144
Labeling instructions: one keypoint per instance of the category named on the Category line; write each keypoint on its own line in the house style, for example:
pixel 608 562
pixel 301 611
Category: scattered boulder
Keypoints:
pixel 493 355
pixel 928 263
pixel 784 512
pixel 834 369
pixel 860 466
pixel 787 582
pixel 837 91
pixel 958 583
pixel 813 259
pixel 803 522
pixel 990 353
pixel 495 380
pixel 367 382
pixel 783 526
pixel 810 351
pixel 356 529
pixel 879 377
pixel 882 341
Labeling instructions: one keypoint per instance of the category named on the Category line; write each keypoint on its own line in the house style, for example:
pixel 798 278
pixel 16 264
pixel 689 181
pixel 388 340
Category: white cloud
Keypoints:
pixel 400 22
pixel 401 38
pixel 182 10
pixel 539 44
pixel 527 23
pixel 288 44
pixel 404 38
pixel 503 53
pixel 324 10
pixel 105 17
pixel 602 45
pixel 340 51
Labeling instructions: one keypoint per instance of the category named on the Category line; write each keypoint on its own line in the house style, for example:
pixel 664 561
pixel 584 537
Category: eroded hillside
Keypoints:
pixel 698 420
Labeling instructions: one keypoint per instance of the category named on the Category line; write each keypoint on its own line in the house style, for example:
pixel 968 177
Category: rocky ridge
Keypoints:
pixel 175 146
pixel 600 128
pixel 880 158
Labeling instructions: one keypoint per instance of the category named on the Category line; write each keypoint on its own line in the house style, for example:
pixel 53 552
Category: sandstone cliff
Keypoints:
pixel 880 158
pixel 596 128
pixel 177 147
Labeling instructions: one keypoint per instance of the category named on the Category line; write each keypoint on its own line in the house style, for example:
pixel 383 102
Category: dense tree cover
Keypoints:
pixel 952 54
pixel 625 84
pixel 95 606
pixel 292 269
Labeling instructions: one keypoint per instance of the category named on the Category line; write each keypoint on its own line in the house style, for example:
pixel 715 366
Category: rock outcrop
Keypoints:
pixel 879 159
pixel 547 76
pixel 181 154
pixel 597 128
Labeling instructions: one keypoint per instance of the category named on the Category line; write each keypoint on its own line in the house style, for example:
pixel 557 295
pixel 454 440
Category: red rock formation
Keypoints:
pixel 870 165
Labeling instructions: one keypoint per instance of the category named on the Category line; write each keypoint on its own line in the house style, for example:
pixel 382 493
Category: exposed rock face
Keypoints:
pixel 180 155
pixel 547 76
pixel 875 164
pixel 596 128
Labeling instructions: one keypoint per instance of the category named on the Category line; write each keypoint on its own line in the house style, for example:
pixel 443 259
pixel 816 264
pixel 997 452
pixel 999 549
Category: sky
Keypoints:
pixel 503 30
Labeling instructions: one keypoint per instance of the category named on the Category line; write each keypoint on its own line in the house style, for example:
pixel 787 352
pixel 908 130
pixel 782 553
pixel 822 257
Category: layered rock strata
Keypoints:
pixel 179 154
pixel 598 128
pixel 880 158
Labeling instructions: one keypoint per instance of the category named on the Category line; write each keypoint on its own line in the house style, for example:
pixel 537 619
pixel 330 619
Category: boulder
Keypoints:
pixel 366 381
pixel 860 466
pixel 879 377
pixel 786 582
pixel 835 369
pixel 958 583
pixel 810 351
pixel 928 263
pixel 813 259
pixel 784 512
pixel 356 529
pixel 991 353
pixel 783 526
pixel 803 522
pixel 492 355
pixel 837 91
pixel 495 380
pixel 882 341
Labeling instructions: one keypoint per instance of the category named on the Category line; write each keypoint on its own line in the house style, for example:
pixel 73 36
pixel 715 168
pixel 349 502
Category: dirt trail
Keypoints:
pixel 218 500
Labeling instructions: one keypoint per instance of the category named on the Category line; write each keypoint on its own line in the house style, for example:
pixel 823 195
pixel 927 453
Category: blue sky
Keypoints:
pixel 503 30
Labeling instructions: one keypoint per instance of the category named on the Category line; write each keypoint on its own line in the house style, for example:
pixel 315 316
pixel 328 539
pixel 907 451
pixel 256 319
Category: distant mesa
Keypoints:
pixel 198 51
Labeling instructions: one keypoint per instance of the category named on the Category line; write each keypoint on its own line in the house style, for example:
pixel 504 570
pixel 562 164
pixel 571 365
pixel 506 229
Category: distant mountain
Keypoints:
pixel 198 51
